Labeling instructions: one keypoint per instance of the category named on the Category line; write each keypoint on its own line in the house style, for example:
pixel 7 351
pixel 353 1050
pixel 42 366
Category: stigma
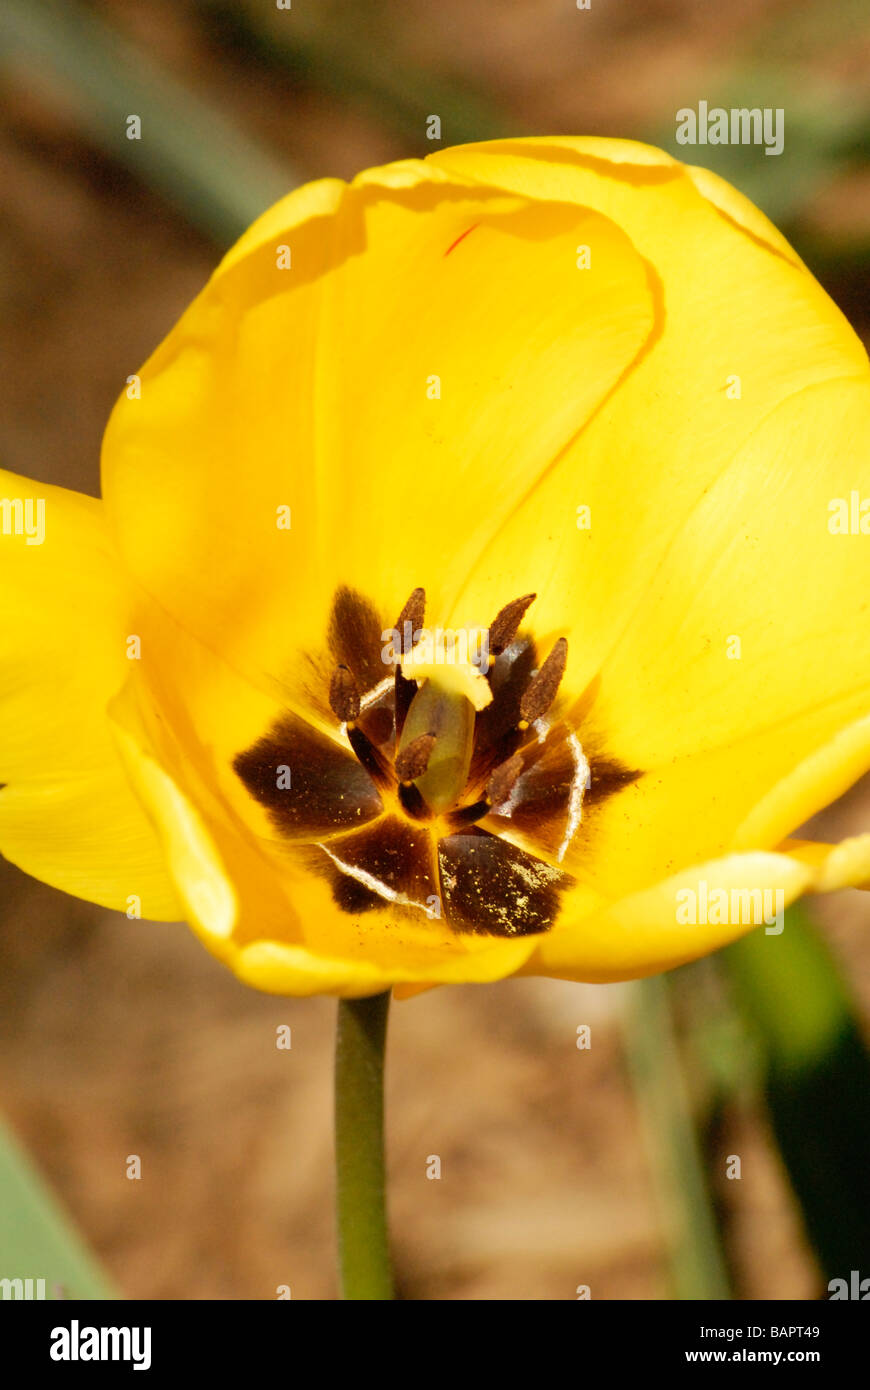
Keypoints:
pixel 445 680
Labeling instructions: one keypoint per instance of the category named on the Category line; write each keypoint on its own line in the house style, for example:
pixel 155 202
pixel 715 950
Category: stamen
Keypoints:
pixel 447 666
pixel 506 623
pixel 541 689
pixel 504 779
pixel 344 700
pixel 413 759
pixel 413 613
pixel 405 691
pixel 344 695
pixel 431 728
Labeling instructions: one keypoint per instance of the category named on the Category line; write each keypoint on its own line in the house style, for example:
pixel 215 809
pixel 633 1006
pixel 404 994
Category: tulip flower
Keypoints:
pixel 462 600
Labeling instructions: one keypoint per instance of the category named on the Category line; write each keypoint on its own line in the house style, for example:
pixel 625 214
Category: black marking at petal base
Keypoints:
pixel 328 789
pixel 491 887
pixel 545 792
pixel 606 777
pixel 352 896
pixel 355 637
pixel 389 864
pixel 343 694
pixel 546 796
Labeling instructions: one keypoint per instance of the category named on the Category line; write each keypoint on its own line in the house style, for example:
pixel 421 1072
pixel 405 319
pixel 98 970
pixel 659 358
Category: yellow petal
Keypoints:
pixel 67 813
pixel 814 782
pixel 427 354
pixel 732 204
pixel 648 931
pixel 192 858
pixel 742 678
pixel 846 865
pixel 279 968
pixel 732 311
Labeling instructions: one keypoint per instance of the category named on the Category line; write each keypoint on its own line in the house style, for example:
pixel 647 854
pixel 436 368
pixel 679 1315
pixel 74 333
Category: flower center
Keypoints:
pixel 452 786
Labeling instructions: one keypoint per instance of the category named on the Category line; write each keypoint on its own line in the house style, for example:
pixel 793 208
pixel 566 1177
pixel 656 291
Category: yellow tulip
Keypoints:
pixel 568 368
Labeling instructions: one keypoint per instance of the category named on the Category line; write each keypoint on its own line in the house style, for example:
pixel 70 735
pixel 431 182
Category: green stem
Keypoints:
pixel 698 1268
pixel 363 1250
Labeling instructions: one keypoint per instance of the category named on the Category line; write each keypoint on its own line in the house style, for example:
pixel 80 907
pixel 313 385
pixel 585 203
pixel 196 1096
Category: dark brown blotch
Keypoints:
pixel 344 694
pixel 543 785
pixel 493 888
pixel 328 790
pixel 355 637
pixel 352 896
pixel 544 793
pixel 607 776
pixel 395 855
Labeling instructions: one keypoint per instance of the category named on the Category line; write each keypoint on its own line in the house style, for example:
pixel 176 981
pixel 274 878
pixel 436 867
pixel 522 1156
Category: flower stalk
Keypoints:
pixel 363 1248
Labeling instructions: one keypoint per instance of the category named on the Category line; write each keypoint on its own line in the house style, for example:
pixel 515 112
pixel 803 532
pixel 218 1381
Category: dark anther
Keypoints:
pixel 505 626
pixel 541 689
pixel 503 780
pixel 412 762
pixel 344 695
pixel 413 614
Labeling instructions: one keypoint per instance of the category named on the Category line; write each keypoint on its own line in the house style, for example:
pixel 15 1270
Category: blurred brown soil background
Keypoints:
pixel 124 1037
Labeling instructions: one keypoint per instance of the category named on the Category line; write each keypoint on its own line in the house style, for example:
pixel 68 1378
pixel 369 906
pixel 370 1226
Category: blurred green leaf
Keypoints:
pixel 350 53
pixel 37 1238
pixel 189 151
pixel 815 1081
pixel 825 128
pixel 793 60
